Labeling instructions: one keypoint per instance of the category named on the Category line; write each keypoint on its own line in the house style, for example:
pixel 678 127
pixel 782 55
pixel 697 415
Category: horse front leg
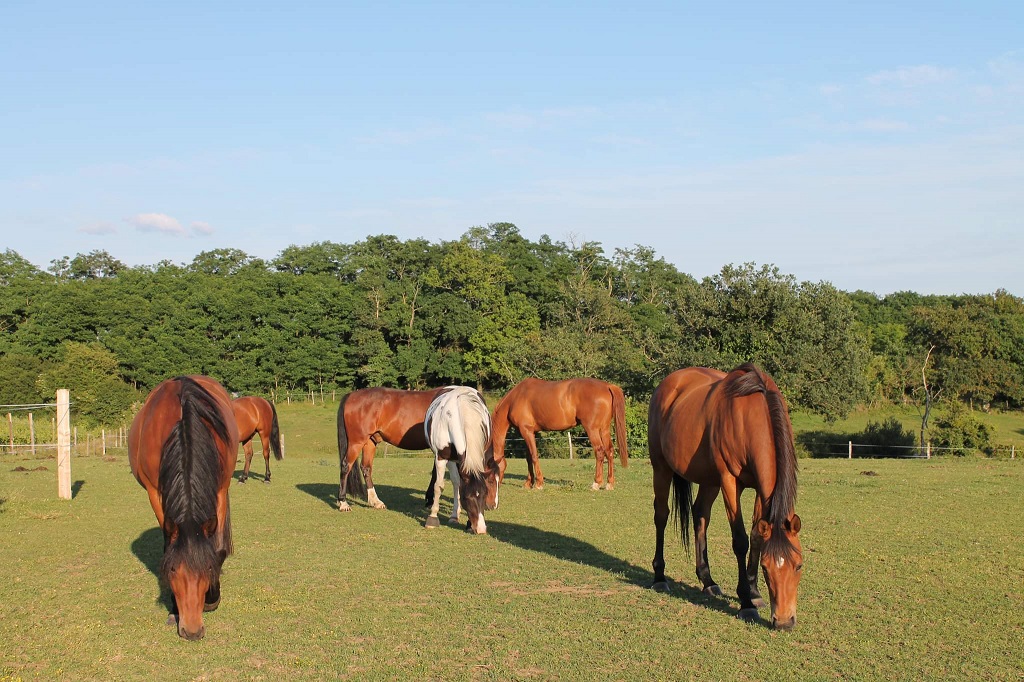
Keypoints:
pixel 740 545
pixel 438 479
pixel 754 560
pixel 706 496
pixel 534 477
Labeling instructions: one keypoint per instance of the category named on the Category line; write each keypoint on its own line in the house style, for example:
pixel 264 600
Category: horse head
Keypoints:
pixel 191 568
pixel 782 569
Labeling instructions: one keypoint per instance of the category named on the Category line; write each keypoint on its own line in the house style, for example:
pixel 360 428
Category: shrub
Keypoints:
pixel 884 439
pixel 961 430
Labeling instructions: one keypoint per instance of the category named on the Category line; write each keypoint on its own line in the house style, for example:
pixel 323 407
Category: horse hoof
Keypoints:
pixel 432 522
pixel 661 586
pixel 748 615
pixel 712 591
pixel 344 507
pixel 211 607
pixel 266 480
pixel 609 487
pixel 241 480
pixel 595 486
pixel 758 603
pixel 379 505
pixel 172 619
pixel 453 519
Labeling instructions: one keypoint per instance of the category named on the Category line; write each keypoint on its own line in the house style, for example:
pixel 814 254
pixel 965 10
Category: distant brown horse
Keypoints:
pixel 536 405
pixel 182 448
pixel 257 415
pixel 365 418
pixel 729 432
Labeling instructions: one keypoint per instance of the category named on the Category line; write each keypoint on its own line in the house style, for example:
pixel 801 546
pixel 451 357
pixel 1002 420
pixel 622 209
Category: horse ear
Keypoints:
pixel 764 529
pixel 793 524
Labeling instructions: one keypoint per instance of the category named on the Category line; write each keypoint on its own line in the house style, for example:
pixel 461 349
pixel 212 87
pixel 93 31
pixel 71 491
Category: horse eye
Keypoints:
pixel 799 568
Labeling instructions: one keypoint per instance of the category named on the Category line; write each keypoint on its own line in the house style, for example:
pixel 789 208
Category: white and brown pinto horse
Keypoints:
pixel 458 430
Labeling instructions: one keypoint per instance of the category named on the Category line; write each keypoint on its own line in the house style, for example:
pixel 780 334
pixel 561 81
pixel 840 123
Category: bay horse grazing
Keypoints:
pixel 182 447
pixel 458 429
pixel 729 432
pixel 536 405
pixel 368 416
pixel 257 415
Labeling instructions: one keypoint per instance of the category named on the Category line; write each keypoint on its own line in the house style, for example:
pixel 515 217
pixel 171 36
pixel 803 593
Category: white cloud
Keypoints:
pixel 157 222
pixel 97 228
pixel 912 76
pixel 203 228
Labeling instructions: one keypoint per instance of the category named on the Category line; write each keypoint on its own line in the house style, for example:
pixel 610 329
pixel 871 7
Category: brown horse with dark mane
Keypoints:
pixel 257 415
pixel 729 432
pixel 182 448
pixel 536 405
pixel 369 416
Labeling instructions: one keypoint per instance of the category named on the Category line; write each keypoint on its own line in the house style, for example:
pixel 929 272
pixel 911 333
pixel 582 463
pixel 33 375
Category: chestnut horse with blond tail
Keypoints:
pixel 257 415
pixel 536 405
pixel 182 448
pixel 727 433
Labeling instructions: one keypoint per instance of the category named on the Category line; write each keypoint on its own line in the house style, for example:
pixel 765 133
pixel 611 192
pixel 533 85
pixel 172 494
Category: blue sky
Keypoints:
pixel 877 146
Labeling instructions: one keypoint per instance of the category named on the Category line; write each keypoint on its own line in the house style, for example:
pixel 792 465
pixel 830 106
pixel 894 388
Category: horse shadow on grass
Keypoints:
pixel 76 488
pixel 148 548
pixel 410 503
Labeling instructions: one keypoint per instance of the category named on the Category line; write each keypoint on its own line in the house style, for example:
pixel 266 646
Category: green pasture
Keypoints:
pixel 913 571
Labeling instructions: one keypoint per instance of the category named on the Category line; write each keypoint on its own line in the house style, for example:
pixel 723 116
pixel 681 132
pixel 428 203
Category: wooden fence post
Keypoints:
pixel 31 434
pixel 928 452
pixel 849 454
pixel 282 446
pixel 10 428
pixel 103 437
pixel 63 444
pixel 570 444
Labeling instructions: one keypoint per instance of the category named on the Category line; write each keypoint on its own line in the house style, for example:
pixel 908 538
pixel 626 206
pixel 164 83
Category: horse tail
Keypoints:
pixel 189 478
pixel 780 503
pixel 275 434
pixel 682 494
pixel 356 484
pixel 619 412
pixel 499 427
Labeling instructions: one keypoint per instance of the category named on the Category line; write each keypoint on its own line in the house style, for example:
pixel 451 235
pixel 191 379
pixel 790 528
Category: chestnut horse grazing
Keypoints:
pixel 182 448
pixel 458 429
pixel 536 405
pixel 365 418
pixel 257 415
pixel 729 432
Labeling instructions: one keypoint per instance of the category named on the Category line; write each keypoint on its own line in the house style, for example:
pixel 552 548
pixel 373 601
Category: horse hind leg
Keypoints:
pixel 371 494
pixel 264 442
pixel 435 505
pixel 706 495
pixel 662 488
pixel 247 446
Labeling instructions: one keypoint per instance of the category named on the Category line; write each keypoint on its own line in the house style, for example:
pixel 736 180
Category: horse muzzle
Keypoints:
pixel 783 624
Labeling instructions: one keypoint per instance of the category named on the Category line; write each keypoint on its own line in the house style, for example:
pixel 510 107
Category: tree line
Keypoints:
pixel 487 309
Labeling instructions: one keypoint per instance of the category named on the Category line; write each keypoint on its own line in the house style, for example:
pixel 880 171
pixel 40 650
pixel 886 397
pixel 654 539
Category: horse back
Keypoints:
pixel 542 405
pixel 159 414
pixel 395 414
pixel 680 418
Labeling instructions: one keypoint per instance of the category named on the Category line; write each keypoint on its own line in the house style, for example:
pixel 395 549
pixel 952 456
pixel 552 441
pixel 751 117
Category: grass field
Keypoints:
pixel 913 571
